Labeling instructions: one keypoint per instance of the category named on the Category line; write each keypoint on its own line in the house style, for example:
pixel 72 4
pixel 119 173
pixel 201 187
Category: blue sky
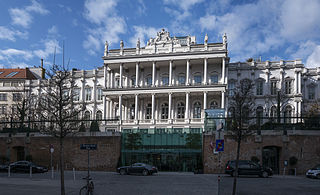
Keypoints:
pixel 273 29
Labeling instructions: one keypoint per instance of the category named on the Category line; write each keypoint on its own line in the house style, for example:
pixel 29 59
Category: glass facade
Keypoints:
pixel 174 149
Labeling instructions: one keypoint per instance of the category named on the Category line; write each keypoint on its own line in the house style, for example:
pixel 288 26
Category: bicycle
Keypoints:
pixel 88 188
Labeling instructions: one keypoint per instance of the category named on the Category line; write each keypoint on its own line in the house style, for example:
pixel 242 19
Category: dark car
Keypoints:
pixel 314 172
pixel 3 168
pixel 247 167
pixel 24 167
pixel 138 168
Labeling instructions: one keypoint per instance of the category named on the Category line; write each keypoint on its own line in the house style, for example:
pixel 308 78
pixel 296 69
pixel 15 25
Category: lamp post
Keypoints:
pixel 51 152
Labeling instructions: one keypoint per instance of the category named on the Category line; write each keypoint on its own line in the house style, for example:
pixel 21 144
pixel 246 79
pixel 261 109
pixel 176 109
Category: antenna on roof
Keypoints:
pixel 54 56
pixel 63 54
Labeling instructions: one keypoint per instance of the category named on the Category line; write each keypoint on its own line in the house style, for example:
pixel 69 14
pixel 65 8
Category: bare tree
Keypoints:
pixel 241 108
pixel 58 109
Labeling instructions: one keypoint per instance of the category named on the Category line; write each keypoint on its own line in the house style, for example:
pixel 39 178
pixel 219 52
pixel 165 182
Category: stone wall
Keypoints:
pixel 105 158
pixel 306 148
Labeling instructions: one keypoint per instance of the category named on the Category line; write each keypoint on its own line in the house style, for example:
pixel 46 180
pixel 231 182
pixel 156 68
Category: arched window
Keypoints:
pixel 180 110
pixel 149 80
pixel 148 111
pixel 165 79
pixel 181 79
pixel 99 116
pixel 259 114
pixel 273 113
pixel 197 110
pixel 287 114
pixel 87 119
pixel 213 105
pixel 214 78
pixel 164 111
pixel 132 110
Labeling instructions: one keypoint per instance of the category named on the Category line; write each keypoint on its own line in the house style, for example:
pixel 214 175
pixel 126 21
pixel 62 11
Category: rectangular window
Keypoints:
pixel 214 79
pixel 288 87
pixel 99 93
pixel 3 109
pixel 133 82
pixel 149 81
pixel 182 80
pixel 76 94
pixel 197 79
pixel 231 88
pixel 165 80
pixel 259 88
pixel 65 94
pixel 3 97
pixel 273 87
pixel 88 93
pixel 16 96
pixel 311 92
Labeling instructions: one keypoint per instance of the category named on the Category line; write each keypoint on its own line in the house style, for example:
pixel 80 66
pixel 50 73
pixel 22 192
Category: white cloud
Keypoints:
pixel 49 47
pixel 143 33
pixel 107 24
pixel 314 59
pixel 185 5
pixel 53 30
pixel 22 16
pixel 8 54
pixel 9 34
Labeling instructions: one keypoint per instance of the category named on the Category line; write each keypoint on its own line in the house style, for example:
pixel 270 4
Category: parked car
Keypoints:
pixel 314 172
pixel 247 167
pixel 24 167
pixel 138 168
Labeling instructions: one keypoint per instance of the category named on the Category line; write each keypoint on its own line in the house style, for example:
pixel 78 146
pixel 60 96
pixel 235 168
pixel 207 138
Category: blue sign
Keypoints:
pixel 88 146
pixel 219 145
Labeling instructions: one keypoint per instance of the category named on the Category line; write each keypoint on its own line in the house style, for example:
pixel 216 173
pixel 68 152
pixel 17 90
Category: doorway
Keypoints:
pixel 270 158
pixel 19 151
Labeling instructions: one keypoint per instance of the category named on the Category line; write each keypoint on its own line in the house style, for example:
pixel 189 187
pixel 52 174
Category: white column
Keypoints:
pixel 105 76
pixel 137 74
pixel 111 79
pixel 136 106
pixel 152 107
pixel 187 72
pixel 222 99
pixel 296 82
pixel 170 73
pixel 153 73
pixel 120 81
pixel 169 109
pixel 205 71
pixel 105 107
pixel 120 108
pixel 205 100
pixel 187 107
pixel 223 70
pixel 299 82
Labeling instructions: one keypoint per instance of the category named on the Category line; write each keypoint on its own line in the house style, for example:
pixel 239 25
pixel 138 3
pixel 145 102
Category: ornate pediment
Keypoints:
pixel 163 37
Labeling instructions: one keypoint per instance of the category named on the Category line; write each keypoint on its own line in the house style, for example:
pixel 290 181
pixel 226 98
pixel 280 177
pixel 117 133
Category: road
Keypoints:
pixel 161 183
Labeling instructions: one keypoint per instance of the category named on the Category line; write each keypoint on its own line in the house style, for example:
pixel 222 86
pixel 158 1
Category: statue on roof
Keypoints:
pixel 106 48
pixel 206 39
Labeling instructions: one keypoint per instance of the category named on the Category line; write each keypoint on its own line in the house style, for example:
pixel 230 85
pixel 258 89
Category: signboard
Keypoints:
pixel 219 145
pixel 88 146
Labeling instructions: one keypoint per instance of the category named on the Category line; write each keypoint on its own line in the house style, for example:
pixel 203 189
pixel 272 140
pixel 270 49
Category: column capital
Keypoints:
pixel 205 92
pixel 170 93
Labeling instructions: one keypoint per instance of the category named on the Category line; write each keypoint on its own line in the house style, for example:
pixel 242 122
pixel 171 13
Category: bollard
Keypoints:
pixel 9 171
pixel 52 171
pixel 284 171
pixel 30 171
pixel 295 171
pixel 74 174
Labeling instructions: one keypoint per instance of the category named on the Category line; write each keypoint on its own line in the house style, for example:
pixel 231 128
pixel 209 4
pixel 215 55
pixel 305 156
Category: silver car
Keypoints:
pixel 314 172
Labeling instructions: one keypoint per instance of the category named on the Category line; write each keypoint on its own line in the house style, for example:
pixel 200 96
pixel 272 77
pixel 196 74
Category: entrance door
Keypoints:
pixel 19 152
pixel 270 158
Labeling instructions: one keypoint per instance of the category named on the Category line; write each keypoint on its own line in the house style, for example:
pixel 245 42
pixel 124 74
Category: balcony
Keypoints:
pixel 175 121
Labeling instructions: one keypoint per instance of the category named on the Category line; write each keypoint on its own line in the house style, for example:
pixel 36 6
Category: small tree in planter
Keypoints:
pixel 292 162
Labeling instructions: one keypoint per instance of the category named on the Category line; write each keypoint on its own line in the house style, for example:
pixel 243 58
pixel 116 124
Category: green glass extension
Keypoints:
pixel 176 149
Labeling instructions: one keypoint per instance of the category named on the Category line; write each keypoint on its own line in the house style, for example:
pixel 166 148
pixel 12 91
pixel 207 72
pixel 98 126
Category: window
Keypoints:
pixel 182 80
pixel 197 79
pixel 3 109
pixel 14 109
pixel 3 97
pixel 287 114
pixel 87 92
pixel 99 93
pixel 213 105
pixel 12 74
pixel 181 110
pixel 197 110
pixel 214 78
pixel 288 85
pixel 259 87
pixel 311 92
pixel 76 94
pixel 133 81
pixel 99 116
pixel 165 80
pixel 164 111
pixel 273 113
pixel 148 111
pixel 87 119
pixel 65 94
pixel 231 86
pixel 116 111
pixel 149 81
pixel 132 108
pixel 117 82
pixel 259 113
pixel 231 112
pixel 273 87
pixel 16 96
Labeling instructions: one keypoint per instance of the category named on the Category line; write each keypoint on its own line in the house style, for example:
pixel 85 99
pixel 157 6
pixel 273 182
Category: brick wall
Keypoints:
pixel 105 158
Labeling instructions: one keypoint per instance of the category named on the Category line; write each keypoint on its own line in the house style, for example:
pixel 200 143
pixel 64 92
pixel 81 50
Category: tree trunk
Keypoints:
pixel 235 175
pixel 62 167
